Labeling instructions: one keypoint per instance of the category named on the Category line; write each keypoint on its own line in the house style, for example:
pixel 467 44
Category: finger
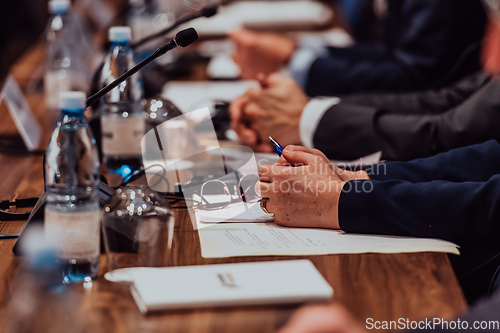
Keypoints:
pixel 257 190
pixel 254 112
pixel 236 112
pixel 270 206
pixel 275 79
pixel 239 35
pixel 262 78
pixel 236 108
pixel 302 158
pixel 283 161
pixel 306 150
pixel 265 173
pixel 265 190
pixel 253 94
pixel 247 135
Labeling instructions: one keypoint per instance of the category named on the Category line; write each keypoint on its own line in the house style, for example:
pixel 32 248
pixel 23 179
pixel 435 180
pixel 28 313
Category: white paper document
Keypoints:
pixel 250 239
pixel 273 282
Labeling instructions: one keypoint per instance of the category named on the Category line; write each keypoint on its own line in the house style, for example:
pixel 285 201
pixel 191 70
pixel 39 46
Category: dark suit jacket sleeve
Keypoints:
pixel 423 40
pixel 348 131
pixel 423 102
pixel 437 197
pixel 465 213
pixel 476 163
pixel 461 211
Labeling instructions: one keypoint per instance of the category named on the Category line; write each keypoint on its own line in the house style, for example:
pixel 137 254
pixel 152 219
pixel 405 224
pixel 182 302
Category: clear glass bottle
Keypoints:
pixel 64 63
pixel 122 117
pixel 72 213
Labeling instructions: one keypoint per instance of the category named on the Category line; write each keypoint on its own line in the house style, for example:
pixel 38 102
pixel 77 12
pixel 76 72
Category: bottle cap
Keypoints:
pixel 59 6
pixel 120 34
pixel 72 100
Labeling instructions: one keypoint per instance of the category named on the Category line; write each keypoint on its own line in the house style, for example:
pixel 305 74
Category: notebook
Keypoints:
pixel 258 283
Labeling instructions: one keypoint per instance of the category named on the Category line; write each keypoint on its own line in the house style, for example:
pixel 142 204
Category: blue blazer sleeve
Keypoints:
pixel 453 196
pixel 423 40
pixel 476 163
pixel 466 213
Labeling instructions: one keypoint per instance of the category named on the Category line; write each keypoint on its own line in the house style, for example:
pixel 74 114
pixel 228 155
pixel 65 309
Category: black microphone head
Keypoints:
pixel 186 37
pixel 209 11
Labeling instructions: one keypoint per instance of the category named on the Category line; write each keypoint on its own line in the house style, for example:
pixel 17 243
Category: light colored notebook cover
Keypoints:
pixel 259 283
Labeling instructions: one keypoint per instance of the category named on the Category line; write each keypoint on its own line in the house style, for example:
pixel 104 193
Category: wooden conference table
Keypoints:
pixel 378 286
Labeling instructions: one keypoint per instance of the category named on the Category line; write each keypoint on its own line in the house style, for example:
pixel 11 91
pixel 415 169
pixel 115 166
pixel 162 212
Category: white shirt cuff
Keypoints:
pixel 302 60
pixel 311 116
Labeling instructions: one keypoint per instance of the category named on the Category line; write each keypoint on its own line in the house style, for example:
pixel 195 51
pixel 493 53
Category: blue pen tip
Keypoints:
pixel 277 146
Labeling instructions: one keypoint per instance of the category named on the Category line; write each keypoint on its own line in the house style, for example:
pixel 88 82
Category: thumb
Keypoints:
pixel 274 79
pixel 296 157
pixel 263 80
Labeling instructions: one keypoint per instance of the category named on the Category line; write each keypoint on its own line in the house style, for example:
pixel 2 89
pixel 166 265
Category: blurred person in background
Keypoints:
pixel 21 23
pixel 403 126
pixel 422 40
pixel 453 196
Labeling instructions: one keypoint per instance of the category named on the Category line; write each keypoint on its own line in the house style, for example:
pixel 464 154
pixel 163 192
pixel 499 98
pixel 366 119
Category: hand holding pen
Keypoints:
pixel 295 153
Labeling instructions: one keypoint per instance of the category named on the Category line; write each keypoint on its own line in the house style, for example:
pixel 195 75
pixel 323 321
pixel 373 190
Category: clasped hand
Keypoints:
pixel 274 110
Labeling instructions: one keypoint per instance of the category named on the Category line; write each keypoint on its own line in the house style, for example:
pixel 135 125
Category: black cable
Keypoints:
pixel 15 149
pixel 23 202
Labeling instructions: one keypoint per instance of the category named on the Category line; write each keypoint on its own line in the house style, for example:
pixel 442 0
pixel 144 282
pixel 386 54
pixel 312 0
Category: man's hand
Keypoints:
pixel 306 195
pixel 261 52
pixel 272 110
pixel 322 319
pixel 344 175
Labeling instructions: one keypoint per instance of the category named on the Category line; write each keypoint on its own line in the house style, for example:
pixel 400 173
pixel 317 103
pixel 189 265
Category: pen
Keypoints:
pixel 277 147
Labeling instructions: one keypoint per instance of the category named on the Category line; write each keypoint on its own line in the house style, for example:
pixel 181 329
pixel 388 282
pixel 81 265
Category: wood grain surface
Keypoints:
pixel 379 286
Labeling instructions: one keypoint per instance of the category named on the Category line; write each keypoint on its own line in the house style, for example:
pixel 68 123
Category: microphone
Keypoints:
pixel 204 12
pixel 183 38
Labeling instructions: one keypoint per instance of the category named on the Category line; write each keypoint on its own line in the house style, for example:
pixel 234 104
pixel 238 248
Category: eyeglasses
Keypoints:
pixel 215 194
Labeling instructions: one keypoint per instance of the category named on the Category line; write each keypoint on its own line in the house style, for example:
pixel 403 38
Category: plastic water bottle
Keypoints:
pixel 39 301
pixel 64 63
pixel 123 121
pixel 72 213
